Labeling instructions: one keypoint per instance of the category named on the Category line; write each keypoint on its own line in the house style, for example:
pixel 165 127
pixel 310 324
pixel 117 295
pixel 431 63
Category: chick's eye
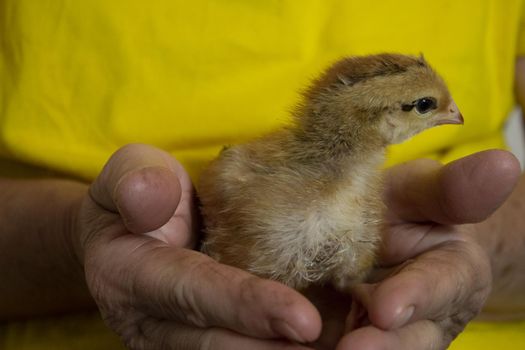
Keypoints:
pixel 425 105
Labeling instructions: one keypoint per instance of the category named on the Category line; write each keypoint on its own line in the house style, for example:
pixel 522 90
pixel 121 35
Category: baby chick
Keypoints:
pixel 303 204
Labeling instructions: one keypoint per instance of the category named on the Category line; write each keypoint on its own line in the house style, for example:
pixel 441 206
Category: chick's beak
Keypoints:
pixel 451 115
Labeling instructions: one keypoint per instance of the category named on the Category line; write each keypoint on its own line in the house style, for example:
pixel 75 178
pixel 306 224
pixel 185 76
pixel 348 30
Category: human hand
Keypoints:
pixel 445 274
pixel 435 275
pixel 137 228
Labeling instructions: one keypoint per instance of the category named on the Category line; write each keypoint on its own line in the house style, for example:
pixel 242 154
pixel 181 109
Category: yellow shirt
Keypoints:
pixel 78 79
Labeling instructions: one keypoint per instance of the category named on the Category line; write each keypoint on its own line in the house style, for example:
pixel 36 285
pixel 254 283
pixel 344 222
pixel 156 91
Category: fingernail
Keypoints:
pixel 403 317
pixel 284 329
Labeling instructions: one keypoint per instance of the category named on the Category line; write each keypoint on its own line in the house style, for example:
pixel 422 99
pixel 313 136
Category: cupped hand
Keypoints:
pixel 442 273
pixel 434 274
pixel 138 229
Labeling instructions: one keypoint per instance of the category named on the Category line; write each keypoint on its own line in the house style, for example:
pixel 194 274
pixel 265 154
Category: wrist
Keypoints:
pixel 72 229
pixel 37 248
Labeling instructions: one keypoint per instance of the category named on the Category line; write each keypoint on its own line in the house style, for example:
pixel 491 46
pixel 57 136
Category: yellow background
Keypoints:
pixel 78 79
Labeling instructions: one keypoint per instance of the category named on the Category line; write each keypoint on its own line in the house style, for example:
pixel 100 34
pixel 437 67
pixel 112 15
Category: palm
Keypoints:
pixel 430 261
pixel 156 294
pixel 402 256
pixel 135 227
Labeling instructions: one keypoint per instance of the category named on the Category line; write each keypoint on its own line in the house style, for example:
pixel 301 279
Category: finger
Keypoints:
pixel 413 294
pixel 169 335
pixel 464 191
pixel 406 241
pixel 143 184
pixel 190 287
pixel 422 335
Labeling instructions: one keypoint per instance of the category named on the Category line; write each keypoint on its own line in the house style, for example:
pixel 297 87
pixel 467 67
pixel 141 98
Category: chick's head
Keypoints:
pixel 391 96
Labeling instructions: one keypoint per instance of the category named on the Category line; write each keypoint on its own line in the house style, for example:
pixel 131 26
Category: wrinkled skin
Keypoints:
pixel 138 228
pixel 434 276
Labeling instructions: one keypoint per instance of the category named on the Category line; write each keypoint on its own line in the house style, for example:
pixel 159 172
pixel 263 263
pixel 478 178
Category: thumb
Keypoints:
pixel 142 184
pixel 467 190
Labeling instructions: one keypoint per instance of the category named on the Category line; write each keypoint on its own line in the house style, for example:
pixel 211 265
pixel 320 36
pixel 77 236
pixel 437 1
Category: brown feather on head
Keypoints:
pixel 352 70
pixel 391 96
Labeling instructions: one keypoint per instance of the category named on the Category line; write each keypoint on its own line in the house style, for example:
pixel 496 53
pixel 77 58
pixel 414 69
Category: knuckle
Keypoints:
pixel 473 282
pixel 192 339
pixel 134 332
pixel 134 343
pixel 184 297
pixel 423 335
pixel 206 339
pixel 149 334
pixel 433 336
pixel 248 289
pixel 475 279
pixel 469 265
pixel 253 293
pixel 436 339
pixel 452 327
pixel 271 295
